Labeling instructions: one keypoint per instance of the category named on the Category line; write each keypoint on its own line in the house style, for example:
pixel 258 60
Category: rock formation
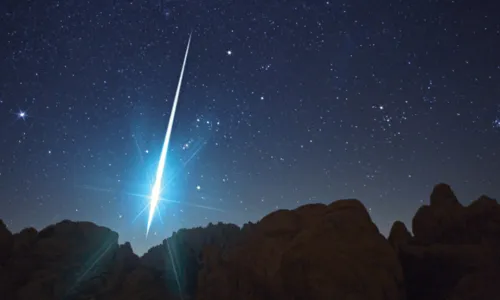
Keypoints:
pixel 455 251
pixel 316 251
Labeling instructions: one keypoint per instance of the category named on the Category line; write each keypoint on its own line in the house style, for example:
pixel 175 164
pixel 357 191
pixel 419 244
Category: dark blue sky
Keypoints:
pixel 284 103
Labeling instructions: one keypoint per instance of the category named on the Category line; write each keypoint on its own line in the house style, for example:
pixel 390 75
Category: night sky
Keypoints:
pixel 283 103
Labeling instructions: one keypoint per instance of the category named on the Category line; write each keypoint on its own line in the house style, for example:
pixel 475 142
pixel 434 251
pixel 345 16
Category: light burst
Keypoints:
pixel 156 191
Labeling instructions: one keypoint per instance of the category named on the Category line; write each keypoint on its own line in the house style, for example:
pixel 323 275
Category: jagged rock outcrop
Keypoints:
pixel 177 260
pixel 316 251
pixel 399 234
pixel 451 248
pixel 80 260
pixel 477 285
pixel 52 263
pixel 6 241
pixel 442 220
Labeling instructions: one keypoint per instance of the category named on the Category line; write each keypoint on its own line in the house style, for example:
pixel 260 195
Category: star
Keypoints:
pixel 22 115
pixel 282 121
pixel 496 123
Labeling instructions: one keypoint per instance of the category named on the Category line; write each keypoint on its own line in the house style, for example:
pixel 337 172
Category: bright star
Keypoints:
pixel 21 115
pixel 198 187
pixel 229 52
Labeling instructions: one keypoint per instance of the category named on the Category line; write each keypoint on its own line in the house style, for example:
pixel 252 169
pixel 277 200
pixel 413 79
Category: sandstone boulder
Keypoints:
pixel 314 252
pixel 60 261
pixel 442 220
pixel 479 285
pixel 399 234
pixel 452 247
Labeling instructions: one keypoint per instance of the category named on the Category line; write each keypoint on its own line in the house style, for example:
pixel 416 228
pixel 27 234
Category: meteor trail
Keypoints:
pixel 155 193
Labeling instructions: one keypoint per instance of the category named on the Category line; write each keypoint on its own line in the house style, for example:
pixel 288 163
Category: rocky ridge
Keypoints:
pixel 316 251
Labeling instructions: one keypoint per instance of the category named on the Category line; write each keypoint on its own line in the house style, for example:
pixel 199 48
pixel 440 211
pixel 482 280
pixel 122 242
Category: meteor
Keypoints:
pixel 155 193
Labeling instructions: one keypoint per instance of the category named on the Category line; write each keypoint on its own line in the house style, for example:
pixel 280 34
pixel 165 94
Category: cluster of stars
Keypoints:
pixel 294 104
pixel 496 123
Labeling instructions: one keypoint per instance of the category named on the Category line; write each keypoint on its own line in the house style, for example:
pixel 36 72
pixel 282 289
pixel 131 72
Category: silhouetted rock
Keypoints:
pixel 54 263
pixel 442 221
pixel 313 252
pixel 24 240
pixel 178 258
pixel 452 246
pixel 316 251
pixel 483 222
pixel 399 235
pixel 443 196
pixel 142 283
pixel 478 285
pixel 6 240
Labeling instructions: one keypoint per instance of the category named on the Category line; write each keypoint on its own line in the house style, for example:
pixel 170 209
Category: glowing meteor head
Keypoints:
pixel 155 197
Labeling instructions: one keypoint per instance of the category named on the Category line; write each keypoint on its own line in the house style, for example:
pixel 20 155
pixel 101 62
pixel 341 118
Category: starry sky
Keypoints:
pixel 283 103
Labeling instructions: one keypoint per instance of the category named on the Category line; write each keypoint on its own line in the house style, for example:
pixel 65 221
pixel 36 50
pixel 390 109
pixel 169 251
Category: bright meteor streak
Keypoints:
pixel 155 193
